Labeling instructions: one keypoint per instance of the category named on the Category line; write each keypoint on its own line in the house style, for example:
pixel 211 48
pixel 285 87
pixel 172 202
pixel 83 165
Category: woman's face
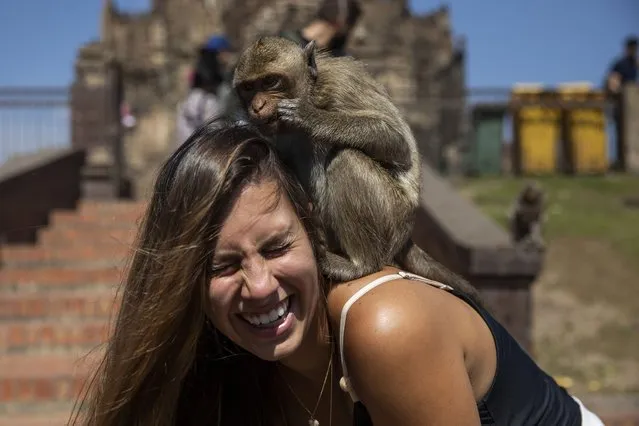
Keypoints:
pixel 265 286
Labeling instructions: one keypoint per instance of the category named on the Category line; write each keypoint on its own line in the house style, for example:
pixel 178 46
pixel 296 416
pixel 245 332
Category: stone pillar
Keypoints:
pixel 631 127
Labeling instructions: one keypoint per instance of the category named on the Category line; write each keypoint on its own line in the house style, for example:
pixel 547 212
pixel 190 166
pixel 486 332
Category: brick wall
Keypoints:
pixel 32 187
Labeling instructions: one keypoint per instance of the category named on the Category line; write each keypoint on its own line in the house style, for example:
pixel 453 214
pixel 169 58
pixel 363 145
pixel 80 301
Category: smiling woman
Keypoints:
pixel 224 279
pixel 226 320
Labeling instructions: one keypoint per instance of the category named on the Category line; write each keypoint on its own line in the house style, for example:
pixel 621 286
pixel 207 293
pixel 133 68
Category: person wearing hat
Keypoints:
pixel 330 28
pixel 209 86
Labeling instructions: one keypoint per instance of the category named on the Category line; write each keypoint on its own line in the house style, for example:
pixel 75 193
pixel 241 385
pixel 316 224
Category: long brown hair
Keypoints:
pixel 165 363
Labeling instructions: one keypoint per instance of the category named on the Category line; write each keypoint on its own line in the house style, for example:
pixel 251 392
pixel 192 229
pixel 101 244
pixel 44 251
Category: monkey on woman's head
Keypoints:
pixel 337 128
pixel 270 70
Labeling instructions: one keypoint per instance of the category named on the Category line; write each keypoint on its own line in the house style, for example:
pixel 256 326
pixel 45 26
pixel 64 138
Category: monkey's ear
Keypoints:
pixel 309 56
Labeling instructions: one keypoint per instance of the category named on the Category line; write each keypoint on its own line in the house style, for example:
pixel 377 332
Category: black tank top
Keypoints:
pixel 521 393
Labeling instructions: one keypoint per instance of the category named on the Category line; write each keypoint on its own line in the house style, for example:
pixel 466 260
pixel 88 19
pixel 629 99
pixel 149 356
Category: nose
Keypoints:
pixel 259 282
pixel 258 105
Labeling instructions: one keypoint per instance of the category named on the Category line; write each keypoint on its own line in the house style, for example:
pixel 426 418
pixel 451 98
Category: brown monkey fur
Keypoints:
pixel 350 147
pixel 526 216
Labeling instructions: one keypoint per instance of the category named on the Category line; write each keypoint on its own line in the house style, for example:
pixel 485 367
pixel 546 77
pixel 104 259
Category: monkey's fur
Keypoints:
pixel 350 147
pixel 526 217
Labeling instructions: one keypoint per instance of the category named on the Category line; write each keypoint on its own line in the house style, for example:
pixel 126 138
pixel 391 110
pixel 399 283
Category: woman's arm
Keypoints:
pixel 405 357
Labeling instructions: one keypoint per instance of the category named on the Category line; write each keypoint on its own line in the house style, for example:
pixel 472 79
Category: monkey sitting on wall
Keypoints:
pixel 351 149
pixel 526 217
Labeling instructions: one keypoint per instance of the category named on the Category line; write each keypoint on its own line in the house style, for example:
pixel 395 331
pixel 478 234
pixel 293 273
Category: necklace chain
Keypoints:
pixel 312 421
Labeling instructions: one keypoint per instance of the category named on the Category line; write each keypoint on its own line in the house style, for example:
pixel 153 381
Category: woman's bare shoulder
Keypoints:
pixel 406 297
pixel 397 334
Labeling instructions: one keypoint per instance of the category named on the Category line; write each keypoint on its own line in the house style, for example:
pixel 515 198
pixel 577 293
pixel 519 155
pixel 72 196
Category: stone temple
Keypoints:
pixel 416 57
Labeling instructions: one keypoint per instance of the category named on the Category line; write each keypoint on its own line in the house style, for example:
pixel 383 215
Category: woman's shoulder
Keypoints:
pixel 399 333
pixel 410 306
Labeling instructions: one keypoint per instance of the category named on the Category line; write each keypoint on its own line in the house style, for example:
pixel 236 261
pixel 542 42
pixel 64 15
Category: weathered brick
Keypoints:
pixel 50 419
pixel 60 237
pixel 59 276
pixel 116 218
pixel 63 304
pixel 25 337
pixel 102 207
pixel 44 378
pixel 35 256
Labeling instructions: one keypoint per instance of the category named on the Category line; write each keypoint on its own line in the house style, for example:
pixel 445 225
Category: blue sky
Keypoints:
pixel 508 41
pixel 545 41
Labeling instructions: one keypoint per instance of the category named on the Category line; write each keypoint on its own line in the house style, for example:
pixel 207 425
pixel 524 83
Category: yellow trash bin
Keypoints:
pixel 586 129
pixel 538 131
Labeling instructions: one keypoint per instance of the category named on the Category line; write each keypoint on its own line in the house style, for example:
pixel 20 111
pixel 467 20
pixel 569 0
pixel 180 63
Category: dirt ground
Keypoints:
pixel 586 300
pixel 586 317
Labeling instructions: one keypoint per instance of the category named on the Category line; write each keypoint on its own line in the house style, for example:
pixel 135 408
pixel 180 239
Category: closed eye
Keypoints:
pixel 276 251
pixel 223 270
pixel 271 82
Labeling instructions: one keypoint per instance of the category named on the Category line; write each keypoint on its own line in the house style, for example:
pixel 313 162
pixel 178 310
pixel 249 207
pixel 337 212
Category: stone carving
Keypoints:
pixel 415 56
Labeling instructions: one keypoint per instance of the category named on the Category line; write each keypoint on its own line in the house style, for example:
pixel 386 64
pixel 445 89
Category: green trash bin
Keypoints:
pixel 485 154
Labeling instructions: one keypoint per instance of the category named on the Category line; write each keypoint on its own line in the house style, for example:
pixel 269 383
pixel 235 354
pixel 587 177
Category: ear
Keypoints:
pixel 309 56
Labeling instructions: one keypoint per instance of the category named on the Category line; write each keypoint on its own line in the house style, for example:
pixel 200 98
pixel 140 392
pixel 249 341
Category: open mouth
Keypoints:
pixel 271 319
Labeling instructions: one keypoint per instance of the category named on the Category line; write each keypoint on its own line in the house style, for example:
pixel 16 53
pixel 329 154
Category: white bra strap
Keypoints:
pixel 344 381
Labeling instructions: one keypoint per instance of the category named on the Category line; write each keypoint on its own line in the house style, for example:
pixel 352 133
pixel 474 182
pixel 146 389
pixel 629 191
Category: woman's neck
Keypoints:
pixel 312 358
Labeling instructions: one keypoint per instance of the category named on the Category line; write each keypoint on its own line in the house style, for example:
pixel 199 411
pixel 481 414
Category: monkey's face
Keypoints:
pixel 260 98
pixel 531 195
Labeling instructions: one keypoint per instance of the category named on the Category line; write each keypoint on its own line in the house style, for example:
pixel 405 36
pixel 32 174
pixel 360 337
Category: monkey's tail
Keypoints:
pixel 413 259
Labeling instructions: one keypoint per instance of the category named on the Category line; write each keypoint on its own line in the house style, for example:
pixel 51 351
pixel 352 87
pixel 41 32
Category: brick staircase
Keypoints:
pixel 56 299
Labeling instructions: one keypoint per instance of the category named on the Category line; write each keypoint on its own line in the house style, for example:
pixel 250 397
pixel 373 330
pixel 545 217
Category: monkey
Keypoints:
pixel 351 149
pixel 526 217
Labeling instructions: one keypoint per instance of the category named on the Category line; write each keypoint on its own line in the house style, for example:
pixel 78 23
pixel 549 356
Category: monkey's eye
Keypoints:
pixel 247 87
pixel 270 82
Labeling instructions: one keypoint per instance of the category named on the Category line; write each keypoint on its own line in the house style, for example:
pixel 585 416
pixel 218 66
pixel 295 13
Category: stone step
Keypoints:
pixel 74 237
pixel 26 280
pixel 55 416
pixel 110 207
pixel 87 304
pixel 38 336
pixel 35 255
pixel 43 378
pixel 104 219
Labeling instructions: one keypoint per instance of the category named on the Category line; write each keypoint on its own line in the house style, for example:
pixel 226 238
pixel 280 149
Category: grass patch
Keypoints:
pixel 587 296
pixel 588 206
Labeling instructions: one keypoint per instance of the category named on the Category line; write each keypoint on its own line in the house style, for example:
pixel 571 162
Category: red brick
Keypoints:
pixel 38 255
pixel 59 276
pixel 58 304
pixel 49 419
pixel 85 237
pixel 44 378
pixel 26 336
pixel 101 208
pixel 116 219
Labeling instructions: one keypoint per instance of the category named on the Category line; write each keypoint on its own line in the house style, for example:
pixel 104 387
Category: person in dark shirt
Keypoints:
pixel 622 72
pixel 331 26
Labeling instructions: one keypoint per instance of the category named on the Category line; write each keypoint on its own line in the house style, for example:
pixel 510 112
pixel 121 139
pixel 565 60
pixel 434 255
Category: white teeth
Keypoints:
pixel 273 315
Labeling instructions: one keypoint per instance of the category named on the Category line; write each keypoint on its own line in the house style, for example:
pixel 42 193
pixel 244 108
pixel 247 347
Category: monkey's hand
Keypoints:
pixel 291 111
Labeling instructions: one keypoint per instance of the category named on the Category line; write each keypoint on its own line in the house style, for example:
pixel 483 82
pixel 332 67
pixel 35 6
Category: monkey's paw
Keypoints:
pixel 288 111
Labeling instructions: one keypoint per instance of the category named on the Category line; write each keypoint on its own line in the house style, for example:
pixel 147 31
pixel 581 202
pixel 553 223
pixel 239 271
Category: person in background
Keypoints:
pixel 623 71
pixel 210 86
pixel 331 26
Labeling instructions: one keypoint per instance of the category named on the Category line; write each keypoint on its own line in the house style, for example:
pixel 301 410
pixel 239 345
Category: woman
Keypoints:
pixel 208 90
pixel 225 319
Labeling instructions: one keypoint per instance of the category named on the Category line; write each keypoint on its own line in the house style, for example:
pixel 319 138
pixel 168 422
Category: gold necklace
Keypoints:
pixel 312 421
